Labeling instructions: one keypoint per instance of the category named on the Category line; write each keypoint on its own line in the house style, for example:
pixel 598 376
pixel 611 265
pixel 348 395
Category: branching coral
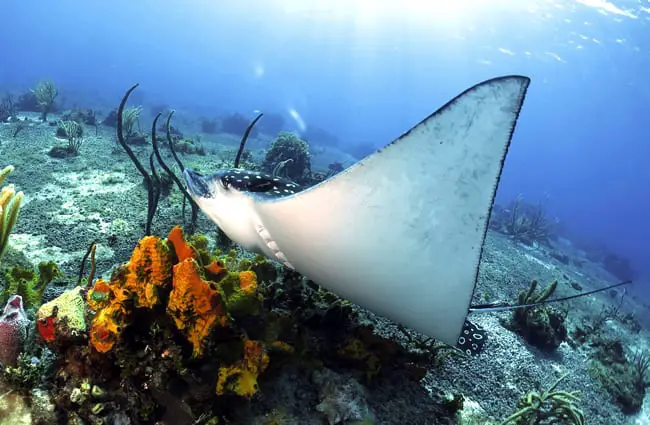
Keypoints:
pixel 640 362
pixel 7 108
pixel 289 156
pixel 29 283
pixel 130 117
pixel 624 377
pixel 26 374
pixel 45 93
pixel 9 207
pixel 543 326
pixel 550 404
pixel 528 224
pixel 71 131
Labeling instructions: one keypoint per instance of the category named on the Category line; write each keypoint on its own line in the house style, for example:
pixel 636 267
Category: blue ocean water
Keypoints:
pixel 368 70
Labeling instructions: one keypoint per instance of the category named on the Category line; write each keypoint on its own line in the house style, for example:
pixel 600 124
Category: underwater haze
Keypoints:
pixel 337 80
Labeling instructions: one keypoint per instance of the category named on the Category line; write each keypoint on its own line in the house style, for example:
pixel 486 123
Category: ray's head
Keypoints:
pixel 238 180
pixel 228 197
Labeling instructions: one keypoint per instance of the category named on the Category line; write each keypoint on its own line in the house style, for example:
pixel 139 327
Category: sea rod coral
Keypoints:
pixel 9 207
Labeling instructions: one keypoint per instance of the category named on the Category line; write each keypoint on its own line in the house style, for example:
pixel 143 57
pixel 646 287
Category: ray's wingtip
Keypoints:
pixel 523 79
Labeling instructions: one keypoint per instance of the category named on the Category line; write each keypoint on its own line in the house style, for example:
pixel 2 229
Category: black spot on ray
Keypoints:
pixel 472 339
pixel 261 184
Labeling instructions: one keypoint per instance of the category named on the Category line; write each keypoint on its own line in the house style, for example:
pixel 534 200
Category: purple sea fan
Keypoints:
pixel 13 331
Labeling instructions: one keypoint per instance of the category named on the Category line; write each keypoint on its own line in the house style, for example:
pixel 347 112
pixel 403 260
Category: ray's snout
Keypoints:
pixel 196 183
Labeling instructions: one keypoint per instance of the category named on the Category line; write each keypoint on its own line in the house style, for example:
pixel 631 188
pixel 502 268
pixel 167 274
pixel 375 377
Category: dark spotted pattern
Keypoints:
pixel 259 183
pixel 472 339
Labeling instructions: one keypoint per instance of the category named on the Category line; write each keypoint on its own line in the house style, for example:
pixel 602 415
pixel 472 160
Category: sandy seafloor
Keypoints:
pixel 69 202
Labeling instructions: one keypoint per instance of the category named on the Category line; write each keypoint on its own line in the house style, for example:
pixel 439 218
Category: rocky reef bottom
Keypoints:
pixel 182 334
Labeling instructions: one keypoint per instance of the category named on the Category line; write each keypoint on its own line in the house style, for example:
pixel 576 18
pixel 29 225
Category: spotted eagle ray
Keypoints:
pixel 399 233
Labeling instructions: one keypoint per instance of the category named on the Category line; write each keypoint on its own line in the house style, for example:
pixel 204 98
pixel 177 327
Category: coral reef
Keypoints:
pixel 62 319
pixel 216 326
pixel 45 92
pixel 343 399
pixel 523 222
pixel 9 207
pixel 542 327
pixel 241 378
pixel 624 377
pixel 172 304
pixel 35 408
pixel 558 406
pixel 13 331
pixel 7 109
pixel 29 283
pixel 195 304
pixel 293 153
pixel 71 131
pixel 173 331
pixel 187 147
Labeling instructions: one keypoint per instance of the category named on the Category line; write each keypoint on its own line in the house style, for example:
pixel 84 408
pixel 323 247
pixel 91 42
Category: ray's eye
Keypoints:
pixel 225 184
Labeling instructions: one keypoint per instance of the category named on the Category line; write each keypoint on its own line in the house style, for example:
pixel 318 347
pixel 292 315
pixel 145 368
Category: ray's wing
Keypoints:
pixel 401 232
